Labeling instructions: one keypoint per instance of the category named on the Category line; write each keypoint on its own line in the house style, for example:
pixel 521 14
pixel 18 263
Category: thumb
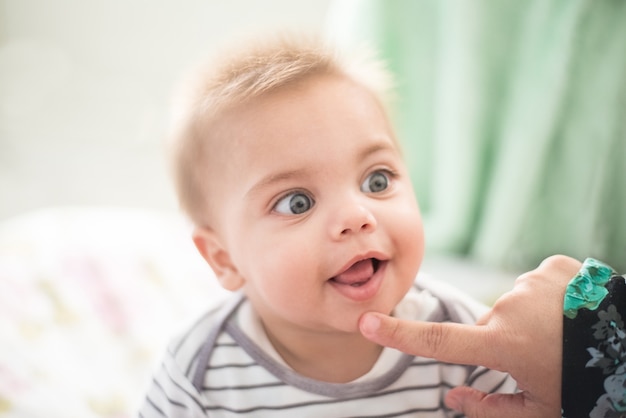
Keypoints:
pixel 476 404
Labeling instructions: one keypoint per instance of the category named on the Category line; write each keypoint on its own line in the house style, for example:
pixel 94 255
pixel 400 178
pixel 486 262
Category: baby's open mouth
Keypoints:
pixel 359 273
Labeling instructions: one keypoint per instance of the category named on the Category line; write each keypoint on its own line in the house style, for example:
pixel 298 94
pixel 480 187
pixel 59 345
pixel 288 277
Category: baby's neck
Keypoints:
pixel 339 358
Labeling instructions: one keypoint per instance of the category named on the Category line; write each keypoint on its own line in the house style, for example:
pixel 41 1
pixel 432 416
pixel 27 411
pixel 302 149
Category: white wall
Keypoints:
pixel 84 90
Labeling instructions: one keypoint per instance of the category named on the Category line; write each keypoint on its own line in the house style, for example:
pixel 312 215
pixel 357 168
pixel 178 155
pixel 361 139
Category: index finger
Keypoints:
pixel 448 342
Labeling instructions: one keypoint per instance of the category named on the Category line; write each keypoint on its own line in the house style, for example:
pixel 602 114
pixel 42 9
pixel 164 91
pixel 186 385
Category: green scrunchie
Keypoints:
pixel 587 289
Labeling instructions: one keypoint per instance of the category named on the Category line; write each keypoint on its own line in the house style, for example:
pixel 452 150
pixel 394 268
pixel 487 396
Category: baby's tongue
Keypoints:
pixel 357 273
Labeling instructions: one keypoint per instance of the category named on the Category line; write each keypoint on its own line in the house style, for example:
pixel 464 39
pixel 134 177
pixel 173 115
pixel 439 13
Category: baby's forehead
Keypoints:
pixel 234 125
pixel 302 106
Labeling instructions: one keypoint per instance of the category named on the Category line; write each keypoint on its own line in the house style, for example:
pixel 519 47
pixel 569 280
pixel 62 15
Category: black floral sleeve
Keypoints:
pixel 594 344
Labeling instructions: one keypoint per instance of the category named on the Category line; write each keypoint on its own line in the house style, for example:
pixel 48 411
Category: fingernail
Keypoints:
pixel 369 324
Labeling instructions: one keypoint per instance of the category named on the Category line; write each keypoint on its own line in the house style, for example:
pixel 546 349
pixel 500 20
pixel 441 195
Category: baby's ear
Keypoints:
pixel 210 246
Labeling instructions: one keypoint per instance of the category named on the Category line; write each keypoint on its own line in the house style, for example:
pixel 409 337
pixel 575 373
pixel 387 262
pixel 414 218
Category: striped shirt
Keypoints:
pixel 224 366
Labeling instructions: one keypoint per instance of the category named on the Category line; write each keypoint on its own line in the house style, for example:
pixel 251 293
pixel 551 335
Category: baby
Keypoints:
pixel 286 162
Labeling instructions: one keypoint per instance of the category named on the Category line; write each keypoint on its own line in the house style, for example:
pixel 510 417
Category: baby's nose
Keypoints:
pixel 354 219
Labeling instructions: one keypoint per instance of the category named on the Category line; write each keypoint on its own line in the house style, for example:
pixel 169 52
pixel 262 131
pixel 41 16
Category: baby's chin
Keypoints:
pixel 384 311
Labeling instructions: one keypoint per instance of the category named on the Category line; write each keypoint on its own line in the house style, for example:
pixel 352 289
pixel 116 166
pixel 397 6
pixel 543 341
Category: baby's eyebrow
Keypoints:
pixel 276 178
pixel 374 148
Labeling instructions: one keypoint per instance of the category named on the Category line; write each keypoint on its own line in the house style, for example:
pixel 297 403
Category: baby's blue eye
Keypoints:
pixel 294 204
pixel 376 182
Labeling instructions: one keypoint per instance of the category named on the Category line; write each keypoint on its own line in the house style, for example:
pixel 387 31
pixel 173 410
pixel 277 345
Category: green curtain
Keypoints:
pixel 512 116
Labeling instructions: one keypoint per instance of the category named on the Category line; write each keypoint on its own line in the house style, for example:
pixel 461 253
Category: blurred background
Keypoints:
pixel 85 87
pixel 512 115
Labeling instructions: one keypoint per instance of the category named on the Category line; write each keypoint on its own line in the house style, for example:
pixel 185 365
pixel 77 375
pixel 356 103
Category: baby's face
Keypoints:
pixel 316 210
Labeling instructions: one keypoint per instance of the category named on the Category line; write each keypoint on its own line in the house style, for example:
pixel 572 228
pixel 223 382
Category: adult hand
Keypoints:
pixel 522 335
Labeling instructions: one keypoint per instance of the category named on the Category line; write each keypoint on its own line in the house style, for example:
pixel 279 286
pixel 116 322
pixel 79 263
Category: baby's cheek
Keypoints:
pixel 412 245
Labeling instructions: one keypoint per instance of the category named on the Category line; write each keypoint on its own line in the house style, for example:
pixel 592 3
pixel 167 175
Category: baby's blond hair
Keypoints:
pixel 237 77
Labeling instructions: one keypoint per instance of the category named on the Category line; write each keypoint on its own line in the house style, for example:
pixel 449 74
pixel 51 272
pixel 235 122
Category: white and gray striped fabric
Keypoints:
pixel 223 367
